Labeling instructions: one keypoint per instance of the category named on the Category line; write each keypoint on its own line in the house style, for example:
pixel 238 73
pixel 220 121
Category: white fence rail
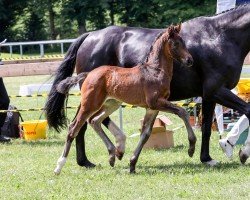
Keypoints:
pixel 39 43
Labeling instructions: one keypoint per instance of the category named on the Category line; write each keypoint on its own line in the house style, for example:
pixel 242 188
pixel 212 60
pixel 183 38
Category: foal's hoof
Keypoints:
pixel 119 154
pixel 211 163
pixel 57 171
pixel 112 160
pixel 243 157
pixel 191 151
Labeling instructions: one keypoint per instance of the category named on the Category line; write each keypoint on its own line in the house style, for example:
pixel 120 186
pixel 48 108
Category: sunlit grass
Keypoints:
pixel 26 168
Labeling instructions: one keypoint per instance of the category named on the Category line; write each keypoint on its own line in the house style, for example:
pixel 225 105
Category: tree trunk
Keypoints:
pixel 51 20
pixel 111 14
pixel 81 26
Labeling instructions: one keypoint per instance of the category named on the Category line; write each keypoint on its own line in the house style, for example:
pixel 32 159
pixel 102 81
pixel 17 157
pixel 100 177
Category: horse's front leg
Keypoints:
pixel 207 119
pixel 166 106
pixel 145 133
pixel 226 98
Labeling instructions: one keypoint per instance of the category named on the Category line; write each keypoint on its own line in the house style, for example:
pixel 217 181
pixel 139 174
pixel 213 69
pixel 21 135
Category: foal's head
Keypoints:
pixel 176 48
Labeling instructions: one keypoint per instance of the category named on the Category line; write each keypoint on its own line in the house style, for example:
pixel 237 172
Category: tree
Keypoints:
pixel 9 10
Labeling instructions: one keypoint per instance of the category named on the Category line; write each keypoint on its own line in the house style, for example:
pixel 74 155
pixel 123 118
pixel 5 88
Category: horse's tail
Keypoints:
pixel 64 86
pixel 54 107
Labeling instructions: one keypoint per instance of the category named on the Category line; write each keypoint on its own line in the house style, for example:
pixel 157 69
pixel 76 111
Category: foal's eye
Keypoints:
pixel 176 44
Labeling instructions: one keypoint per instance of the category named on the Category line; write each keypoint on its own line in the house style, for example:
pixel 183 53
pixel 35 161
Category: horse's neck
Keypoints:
pixel 236 26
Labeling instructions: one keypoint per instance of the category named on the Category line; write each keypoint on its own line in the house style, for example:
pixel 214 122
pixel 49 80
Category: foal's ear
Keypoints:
pixel 177 28
pixel 171 31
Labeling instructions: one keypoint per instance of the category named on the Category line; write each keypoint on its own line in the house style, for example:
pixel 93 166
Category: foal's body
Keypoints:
pixel 146 85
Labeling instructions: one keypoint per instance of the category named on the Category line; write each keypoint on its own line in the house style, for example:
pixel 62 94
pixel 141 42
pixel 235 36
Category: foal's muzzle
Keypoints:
pixel 189 61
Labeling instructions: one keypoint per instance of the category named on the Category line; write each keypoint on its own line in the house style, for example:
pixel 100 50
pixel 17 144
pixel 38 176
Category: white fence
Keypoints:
pixel 39 43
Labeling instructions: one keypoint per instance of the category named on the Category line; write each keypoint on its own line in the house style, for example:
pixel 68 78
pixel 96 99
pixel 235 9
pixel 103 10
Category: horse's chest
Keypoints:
pixel 160 85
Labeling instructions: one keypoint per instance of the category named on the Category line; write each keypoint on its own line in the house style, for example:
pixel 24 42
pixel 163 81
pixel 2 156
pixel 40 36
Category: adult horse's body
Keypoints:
pixel 218 45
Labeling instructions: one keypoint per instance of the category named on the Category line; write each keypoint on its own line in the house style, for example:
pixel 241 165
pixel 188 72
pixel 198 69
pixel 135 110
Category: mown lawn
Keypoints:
pixel 26 168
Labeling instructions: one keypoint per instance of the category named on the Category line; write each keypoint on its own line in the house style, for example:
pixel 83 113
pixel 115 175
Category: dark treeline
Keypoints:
pixel 30 20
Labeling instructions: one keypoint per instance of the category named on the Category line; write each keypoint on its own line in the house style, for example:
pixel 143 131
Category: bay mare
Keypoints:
pixel 146 85
pixel 218 45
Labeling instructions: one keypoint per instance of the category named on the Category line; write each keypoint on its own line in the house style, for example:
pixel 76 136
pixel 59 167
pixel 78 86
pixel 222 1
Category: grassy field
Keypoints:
pixel 26 168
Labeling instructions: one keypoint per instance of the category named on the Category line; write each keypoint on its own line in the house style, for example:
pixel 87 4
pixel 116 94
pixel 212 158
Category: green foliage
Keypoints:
pixel 51 19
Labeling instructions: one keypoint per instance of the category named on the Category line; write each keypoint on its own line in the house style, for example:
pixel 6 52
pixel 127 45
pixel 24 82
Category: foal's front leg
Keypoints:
pixel 166 106
pixel 146 131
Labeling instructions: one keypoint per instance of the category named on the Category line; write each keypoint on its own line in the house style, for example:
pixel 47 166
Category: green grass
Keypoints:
pixel 26 168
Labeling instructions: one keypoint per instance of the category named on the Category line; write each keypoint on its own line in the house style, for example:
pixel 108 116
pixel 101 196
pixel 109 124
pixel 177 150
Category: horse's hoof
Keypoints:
pixel 119 154
pixel 191 151
pixel 243 157
pixel 112 160
pixel 211 163
pixel 132 170
pixel 86 163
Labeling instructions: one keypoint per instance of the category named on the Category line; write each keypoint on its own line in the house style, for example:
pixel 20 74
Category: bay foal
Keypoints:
pixel 145 85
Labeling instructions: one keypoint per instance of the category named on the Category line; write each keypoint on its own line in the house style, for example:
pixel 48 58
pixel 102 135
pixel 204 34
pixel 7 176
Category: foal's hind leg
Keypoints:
pixel 96 121
pixel 74 128
pixel 88 108
pixel 107 109
pixel 146 131
pixel 164 105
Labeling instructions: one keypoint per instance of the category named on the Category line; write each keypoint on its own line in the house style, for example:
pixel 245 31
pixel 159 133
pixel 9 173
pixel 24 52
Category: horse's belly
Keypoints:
pixel 134 96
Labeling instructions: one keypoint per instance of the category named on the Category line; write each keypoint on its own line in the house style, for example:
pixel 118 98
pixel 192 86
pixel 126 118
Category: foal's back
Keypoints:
pixel 126 85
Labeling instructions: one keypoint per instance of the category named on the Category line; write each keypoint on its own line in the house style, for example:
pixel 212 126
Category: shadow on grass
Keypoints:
pixel 187 168
pixel 46 142
pixel 172 149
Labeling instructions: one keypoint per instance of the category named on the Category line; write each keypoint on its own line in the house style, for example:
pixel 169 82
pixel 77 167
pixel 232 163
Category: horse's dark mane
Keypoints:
pixel 224 12
pixel 233 9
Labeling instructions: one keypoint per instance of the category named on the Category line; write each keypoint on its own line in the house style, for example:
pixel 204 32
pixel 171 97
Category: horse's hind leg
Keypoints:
pixel 164 105
pixel 95 121
pixel 146 131
pixel 108 108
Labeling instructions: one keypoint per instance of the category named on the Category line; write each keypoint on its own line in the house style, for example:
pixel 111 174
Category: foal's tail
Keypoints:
pixel 54 107
pixel 64 86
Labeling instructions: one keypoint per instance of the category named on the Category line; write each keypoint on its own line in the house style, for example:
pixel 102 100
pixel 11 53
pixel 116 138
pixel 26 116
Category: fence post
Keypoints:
pixel 41 50
pixel 11 51
pixel 21 51
pixel 62 52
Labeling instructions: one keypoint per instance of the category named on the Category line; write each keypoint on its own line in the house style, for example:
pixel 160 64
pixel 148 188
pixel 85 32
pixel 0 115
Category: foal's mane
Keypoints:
pixel 154 51
pixel 151 47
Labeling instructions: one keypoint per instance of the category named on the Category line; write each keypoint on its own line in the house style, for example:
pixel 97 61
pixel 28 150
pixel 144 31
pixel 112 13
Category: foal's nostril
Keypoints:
pixel 189 61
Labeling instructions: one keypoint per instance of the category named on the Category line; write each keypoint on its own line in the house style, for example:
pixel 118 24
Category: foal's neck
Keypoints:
pixel 158 58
